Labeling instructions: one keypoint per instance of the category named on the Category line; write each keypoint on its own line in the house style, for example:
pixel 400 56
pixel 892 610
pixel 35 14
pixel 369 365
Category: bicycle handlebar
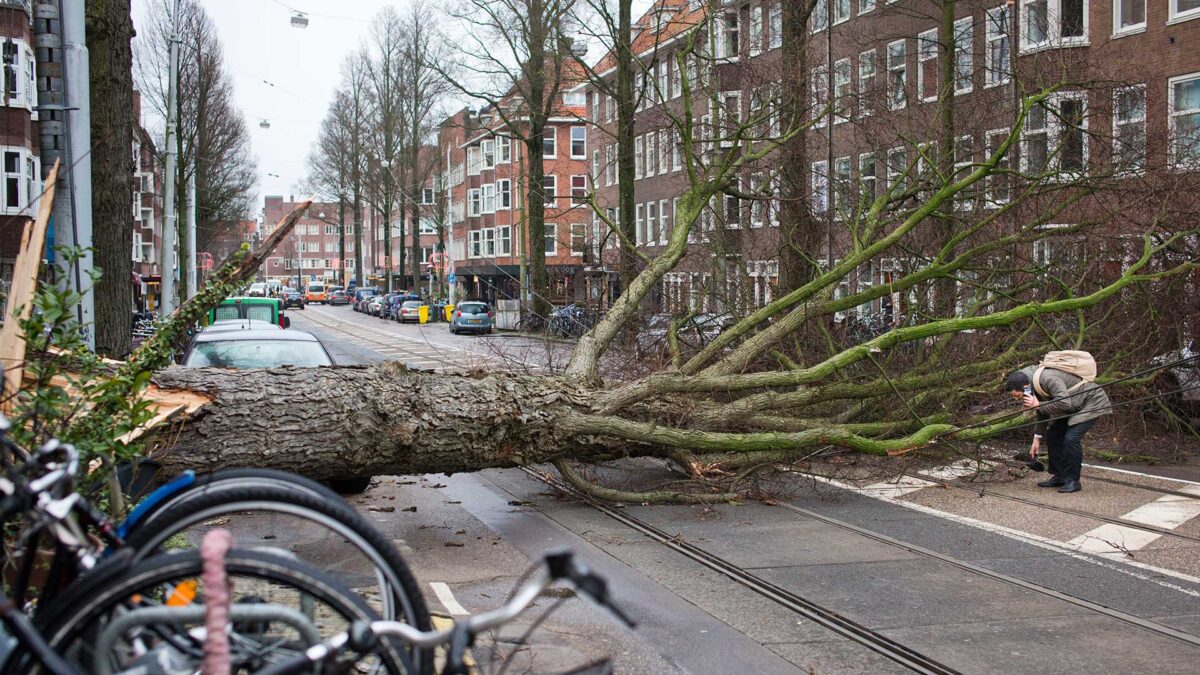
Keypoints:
pixel 362 636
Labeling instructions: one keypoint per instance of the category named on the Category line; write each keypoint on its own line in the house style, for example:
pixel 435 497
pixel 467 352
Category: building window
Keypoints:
pixel 651 141
pixel 964 160
pixel 550 241
pixel 503 194
pixel 1181 10
pixel 897 75
pixel 503 149
pixel 662 221
pixel 730 34
pixel 999 51
pixel 756 29
pixel 664 79
pixel 651 222
pixel 489 242
pixel 579 190
pixel 638 167
pixel 866 83
pixel 841 90
pixel 475 244
pixel 578 142
pixel 1035 141
pixel 1071 123
pixel 550 190
pixel 820 16
pixel 596 165
pixel 676 151
pixel 1129 128
pixel 488 150
pixel 427 196
pixel 841 184
pixel 549 143
pixel 1053 23
pixel 487 194
pixel 1183 107
pixel 865 6
pixel 473 202
pixel 775 25
pixel 867 180
pixel 639 226
pixel 473 162
pixel 897 166
pixel 997 191
pixel 820 187
pixel 964 36
pixel 927 65
pixel 610 167
pixel 595 107
pixel 820 93
pixel 504 240
pixel 676 79
pixel 1129 16
pixel 664 150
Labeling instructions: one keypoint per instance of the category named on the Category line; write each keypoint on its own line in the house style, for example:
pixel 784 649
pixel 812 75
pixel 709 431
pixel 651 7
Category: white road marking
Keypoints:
pixel 1042 542
pixel 1142 474
pixel 908 484
pixel 1167 512
pixel 442 591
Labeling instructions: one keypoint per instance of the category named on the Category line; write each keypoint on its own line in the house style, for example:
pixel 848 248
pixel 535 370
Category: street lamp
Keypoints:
pixel 299 20
pixel 264 124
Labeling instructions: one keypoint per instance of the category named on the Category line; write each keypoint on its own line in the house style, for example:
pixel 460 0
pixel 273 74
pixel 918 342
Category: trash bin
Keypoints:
pixel 423 313
pixel 449 312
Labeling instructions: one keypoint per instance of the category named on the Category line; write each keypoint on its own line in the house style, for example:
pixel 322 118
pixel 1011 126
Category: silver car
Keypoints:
pixel 471 317
pixel 256 348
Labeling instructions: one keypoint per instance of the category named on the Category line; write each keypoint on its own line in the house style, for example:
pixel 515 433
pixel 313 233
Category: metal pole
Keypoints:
pixel 299 258
pixel 449 208
pixel 191 236
pixel 167 255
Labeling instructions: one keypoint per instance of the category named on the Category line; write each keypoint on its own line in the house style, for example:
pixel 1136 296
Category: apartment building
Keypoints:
pixel 146 215
pixel 375 258
pixel 486 181
pixel 20 166
pixel 1129 104
pixel 310 252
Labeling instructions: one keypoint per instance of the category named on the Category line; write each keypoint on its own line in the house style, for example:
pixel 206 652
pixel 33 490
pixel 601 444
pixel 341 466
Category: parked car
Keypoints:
pixel 257 289
pixel 375 304
pixel 316 293
pixel 264 309
pixel 410 310
pixel 471 317
pixel 293 298
pixel 361 296
pixel 255 348
pixel 338 298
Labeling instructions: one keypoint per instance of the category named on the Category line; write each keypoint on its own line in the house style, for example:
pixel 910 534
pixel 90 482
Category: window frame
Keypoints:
pixel 902 69
pixel 866 95
pixel 1054 38
pixel 1132 29
pixel 503 195
pixel 1117 124
pixel 550 198
pixel 997 42
pixel 576 197
pixel 550 138
pixel 964 58
pixel 550 236
pixel 928 50
pixel 1176 16
pixel 818 189
pixel 1173 149
pixel 583 132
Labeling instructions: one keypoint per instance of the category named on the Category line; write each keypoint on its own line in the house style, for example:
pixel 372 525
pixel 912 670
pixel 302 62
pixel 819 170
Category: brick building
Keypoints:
pixel 20 166
pixel 429 162
pixel 310 251
pixel 147 215
pixel 486 181
pixel 1130 106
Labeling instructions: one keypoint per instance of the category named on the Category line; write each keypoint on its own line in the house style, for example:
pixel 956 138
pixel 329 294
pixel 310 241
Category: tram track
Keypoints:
pixel 829 618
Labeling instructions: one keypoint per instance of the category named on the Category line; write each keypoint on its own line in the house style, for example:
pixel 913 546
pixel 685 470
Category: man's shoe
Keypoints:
pixel 1070 486
pixel 1053 481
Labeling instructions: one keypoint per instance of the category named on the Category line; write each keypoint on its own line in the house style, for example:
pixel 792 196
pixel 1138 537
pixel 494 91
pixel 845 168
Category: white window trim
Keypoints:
pixel 1053 39
pixel 927 37
pixel 506 192
pixel 662 221
pixel 866 106
pixel 1115 129
pixel 988 196
pixel 887 69
pixel 586 191
pixel 968 21
pixel 550 202
pixel 553 138
pixel 841 103
pixel 1174 16
pixel 1172 158
pixel 582 155
pixel 989 77
pixel 1118 30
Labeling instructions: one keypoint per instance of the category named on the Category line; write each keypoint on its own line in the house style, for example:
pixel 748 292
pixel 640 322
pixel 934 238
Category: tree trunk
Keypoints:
pixel 109 32
pixel 370 420
pixel 626 164
pixel 800 233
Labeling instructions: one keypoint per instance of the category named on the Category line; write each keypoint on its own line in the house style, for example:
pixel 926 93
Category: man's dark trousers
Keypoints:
pixel 1065 445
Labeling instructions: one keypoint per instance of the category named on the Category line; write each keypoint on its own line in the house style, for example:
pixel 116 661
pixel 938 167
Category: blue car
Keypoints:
pixel 471 317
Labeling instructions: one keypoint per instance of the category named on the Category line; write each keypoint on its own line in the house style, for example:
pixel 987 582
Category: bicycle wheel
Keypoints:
pixel 326 532
pixel 136 619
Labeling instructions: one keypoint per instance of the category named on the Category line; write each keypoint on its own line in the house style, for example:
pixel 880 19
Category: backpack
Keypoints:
pixel 1080 364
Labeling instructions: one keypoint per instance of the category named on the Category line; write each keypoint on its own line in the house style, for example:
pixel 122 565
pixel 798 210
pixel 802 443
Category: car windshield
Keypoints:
pixel 473 308
pixel 239 354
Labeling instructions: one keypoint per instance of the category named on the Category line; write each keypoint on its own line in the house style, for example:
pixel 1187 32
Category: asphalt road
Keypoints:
pixel 979 571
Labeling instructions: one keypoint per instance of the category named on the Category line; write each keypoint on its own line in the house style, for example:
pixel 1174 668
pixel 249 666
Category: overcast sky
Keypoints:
pixel 287 75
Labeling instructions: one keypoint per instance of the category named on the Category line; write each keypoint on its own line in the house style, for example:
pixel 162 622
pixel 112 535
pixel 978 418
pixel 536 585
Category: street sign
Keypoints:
pixel 451 279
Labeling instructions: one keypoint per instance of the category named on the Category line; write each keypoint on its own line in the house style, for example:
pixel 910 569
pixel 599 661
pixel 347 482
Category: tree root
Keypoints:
pixel 653 497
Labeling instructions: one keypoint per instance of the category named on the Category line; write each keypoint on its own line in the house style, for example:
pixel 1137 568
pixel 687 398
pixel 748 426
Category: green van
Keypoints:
pixel 262 309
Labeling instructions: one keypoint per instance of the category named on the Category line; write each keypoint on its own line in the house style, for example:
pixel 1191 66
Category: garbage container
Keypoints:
pixel 449 312
pixel 423 313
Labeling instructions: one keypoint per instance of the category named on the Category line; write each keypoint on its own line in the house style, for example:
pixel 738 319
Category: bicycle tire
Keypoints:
pixel 84 607
pixel 397 586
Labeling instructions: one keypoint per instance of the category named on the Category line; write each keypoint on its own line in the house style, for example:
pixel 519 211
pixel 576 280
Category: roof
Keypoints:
pixel 256 334
pixel 666 19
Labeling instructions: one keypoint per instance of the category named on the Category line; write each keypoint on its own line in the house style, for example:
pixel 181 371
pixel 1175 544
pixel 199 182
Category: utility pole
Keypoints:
pixel 451 280
pixel 191 235
pixel 170 219
pixel 65 127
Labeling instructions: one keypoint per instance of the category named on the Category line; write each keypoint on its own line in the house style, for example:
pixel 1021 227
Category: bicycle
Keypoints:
pixel 363 638
pixel 188 501
pixel 146 604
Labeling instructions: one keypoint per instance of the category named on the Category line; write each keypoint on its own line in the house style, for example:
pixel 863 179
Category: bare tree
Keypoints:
pixel 213 141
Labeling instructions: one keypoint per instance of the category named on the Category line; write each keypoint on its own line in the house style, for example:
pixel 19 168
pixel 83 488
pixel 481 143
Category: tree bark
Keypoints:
pixel 109 33
pixel 353 421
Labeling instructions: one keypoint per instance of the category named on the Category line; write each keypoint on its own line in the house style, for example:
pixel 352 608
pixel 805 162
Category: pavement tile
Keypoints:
pixel 995 510
pixel 1074 644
